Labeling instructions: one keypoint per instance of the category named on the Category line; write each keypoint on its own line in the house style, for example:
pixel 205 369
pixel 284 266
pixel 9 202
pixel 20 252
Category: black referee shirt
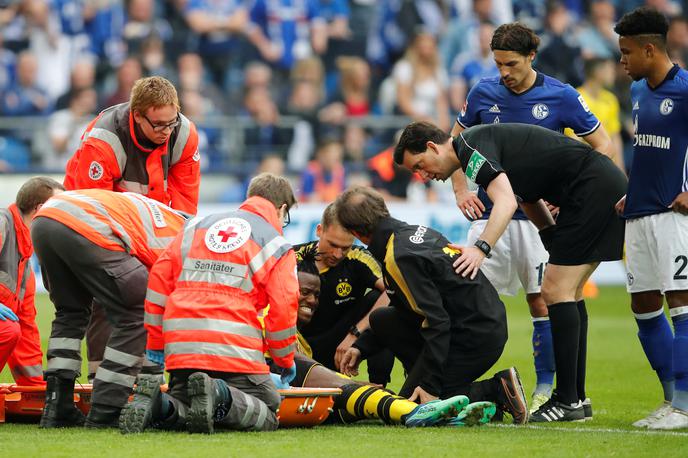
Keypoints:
pixel 540 163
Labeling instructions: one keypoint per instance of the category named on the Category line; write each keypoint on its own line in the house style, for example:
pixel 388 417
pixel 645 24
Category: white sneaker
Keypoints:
pixel 656 414
pixel 675 419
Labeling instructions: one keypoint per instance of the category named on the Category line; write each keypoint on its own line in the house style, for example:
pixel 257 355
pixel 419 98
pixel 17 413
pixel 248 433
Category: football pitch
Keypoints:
pixel 621 385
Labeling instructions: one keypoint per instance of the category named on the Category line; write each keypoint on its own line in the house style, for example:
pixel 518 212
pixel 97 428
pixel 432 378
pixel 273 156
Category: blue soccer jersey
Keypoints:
pixel 660 145
pixel 549 103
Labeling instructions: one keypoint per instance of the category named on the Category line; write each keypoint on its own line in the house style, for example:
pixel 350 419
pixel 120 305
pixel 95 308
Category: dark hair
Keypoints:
pixel 360 209
pixel 643 21
pixel 415 137
pixel 36 191
pixel 515 37
pixel 305 260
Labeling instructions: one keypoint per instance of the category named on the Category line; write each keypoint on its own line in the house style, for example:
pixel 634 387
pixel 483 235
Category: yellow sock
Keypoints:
pixel 370 402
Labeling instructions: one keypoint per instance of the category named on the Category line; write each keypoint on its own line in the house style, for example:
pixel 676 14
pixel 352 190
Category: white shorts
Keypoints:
pixel 657 253
pixel 518 258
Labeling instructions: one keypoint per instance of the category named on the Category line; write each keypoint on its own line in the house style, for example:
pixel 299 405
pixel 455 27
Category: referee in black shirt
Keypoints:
pixel 520 164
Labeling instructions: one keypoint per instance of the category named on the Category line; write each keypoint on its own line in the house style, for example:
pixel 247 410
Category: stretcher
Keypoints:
pixel 300 407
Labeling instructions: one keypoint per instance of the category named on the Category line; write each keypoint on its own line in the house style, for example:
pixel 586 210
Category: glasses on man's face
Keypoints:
pixel 162 127
pixel 287 218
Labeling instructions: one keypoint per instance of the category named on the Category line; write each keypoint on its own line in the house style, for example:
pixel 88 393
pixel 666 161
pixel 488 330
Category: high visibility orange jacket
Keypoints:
pixel 117 221
pixel 207 289
pixel 17 291
pixel 110 157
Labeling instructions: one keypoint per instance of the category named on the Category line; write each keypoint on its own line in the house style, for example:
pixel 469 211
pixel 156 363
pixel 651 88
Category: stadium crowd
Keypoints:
pixel 224 309
pixel 269 83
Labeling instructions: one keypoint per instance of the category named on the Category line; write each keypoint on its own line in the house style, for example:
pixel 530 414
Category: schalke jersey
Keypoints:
pixel 341 287
pixel 660 145
pixel 549 103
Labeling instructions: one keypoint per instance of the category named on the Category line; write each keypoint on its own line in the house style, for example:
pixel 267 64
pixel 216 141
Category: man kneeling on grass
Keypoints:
pixel 359 400
pixel 447 330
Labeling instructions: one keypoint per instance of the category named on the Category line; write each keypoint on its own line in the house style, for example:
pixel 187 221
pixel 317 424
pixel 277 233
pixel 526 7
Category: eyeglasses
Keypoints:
pixel 287 218
pixel 160 128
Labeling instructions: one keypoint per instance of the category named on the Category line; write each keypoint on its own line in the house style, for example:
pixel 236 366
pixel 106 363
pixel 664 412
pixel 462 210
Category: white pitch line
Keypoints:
pixel 596 430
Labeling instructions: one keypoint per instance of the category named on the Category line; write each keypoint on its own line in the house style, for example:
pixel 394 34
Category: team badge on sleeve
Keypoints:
pixel 196 156
pixel 95 171
pixel 581 100
pixel 227 235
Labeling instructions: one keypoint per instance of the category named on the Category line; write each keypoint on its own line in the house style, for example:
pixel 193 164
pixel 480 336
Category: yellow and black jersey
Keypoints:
pixel 419 277
pixel 341 288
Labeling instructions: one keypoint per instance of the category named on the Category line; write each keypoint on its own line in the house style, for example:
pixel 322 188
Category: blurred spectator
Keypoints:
pixel 72 16
pixel 7 66
pixel 462 33
pixel 50 46
pixel 336 13
pixel 142 24
pixel 266 136
pixel 421 82
pixel 304 102
pixel 599 79
pixel 356 143
pixel 127 74
pixel 469 67
pixel 236 192
pixel 362 14
pixel 220 24
pixel 105 25
pixel 668 7
pixel 325 177
pixel 677 40
pixel 560 55
pixel 197 108
pixel 83 75
pixel 13 25
pixel 501 11
pixel 152 56
pixel 597 38
pixel 65 128
pixel 284 31
pixel 24 97
pixel 353 97
pixel 310 70
pixel 192 77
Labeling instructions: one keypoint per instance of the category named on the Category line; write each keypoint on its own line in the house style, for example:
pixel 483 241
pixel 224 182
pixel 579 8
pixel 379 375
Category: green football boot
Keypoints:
pixel 434 412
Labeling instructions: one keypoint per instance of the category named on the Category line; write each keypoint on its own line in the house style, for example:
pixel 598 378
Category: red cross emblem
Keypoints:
pixel 227 233
pixel 95 171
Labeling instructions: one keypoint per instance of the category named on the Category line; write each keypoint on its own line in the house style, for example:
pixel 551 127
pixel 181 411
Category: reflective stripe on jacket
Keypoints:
pixel 206 290
pixel 116 221
pixel 111 158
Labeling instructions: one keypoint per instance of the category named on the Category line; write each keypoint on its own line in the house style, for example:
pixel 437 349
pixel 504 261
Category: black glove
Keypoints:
pixel 547 235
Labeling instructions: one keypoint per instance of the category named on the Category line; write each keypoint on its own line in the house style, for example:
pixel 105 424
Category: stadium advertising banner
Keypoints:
pixel 442 217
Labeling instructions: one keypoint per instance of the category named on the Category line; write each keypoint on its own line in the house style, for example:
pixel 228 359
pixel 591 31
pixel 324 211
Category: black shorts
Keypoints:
pixel 304 366
pixel 588 230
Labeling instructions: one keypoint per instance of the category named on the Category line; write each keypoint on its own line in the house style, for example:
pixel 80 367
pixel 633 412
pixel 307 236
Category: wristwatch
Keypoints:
pixel 484 247
pixel 355 332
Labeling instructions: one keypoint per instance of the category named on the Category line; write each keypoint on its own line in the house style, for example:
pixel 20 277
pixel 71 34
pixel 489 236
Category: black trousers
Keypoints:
pixel 325 345
pixel 76 272
pixel 400 332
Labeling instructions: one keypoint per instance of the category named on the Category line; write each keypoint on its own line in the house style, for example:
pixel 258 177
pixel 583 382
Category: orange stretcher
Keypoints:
pixel 301 407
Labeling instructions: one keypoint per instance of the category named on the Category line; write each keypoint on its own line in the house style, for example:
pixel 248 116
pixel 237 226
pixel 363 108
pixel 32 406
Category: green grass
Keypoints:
pixel 620 382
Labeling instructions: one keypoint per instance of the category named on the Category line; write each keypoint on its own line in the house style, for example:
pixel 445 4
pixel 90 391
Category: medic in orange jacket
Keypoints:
pixel 20 342
pixel 206 290
pixel 117 221
pixel 112 157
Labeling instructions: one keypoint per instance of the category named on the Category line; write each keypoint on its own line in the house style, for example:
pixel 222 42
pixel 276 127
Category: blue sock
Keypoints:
pixel 657 340
pixel 543 354
pixel 679 316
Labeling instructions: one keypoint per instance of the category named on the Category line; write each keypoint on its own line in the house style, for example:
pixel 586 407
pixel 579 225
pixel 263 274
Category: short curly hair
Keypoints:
pixel 643 21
